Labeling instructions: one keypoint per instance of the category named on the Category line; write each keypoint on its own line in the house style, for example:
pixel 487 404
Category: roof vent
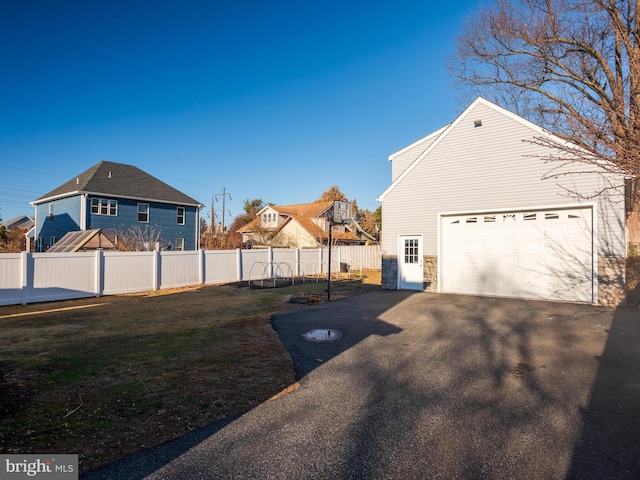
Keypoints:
pixel 77 180
pixel 109 175
pixel 477 123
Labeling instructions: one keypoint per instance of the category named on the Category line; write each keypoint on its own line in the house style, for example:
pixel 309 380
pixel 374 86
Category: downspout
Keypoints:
pixel 198 227
pixel 83 212
pixel 35 229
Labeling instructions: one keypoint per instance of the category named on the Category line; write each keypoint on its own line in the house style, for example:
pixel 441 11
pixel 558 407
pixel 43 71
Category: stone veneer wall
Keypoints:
pixel 389 272
pixel 430 273
pixel 611 281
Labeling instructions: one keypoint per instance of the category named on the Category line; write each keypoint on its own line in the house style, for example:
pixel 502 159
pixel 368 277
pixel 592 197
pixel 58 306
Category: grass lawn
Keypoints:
pixel 106 377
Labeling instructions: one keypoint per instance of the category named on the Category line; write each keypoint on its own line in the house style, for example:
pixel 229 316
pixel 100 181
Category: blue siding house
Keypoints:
pixel 122 201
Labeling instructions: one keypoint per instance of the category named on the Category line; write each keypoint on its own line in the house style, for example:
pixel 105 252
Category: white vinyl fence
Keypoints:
pixel 40 277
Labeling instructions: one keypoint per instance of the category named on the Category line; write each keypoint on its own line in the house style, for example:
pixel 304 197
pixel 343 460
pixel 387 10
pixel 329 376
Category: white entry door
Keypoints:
pixel 410 259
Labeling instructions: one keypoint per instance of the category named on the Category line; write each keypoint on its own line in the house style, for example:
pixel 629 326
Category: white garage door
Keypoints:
pixel 545 254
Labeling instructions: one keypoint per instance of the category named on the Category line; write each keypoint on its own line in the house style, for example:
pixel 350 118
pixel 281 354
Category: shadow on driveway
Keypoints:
pixel 437 386
pixel 355 318
pixel 609 443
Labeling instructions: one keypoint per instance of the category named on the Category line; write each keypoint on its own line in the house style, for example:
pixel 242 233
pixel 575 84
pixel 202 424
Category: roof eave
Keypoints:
pixel 128 197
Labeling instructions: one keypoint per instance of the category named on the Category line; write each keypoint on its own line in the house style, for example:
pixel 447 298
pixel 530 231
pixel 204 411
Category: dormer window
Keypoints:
pixel 270 219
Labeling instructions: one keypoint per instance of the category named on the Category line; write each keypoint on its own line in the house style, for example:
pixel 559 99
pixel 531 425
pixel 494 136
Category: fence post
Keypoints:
pixel 24 278
pixel 239 264
pixel 320 265
pixel 270 253
pixel 297 274
pixel 99 274
pixel 156 270
pixel 201 272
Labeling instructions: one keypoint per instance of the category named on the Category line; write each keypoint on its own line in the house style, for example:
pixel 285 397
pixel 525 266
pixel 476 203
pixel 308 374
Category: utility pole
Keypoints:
pixel 224 195
pixel 212 233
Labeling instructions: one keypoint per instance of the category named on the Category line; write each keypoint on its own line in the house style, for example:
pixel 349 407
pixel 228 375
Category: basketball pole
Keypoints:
pixel 329 276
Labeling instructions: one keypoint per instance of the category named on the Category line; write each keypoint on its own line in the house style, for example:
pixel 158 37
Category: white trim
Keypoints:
pixel 197 242
pixel 417 142
pixel 83 211
pixel 103 194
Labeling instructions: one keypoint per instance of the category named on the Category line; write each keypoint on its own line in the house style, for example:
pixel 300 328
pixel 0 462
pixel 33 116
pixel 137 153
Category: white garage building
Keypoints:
pixel 468 212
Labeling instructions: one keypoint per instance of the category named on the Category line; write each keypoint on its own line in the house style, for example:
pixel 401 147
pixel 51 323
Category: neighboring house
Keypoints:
pixel 22 221
pixel 296 226
pixel 468 212
pixel 121 200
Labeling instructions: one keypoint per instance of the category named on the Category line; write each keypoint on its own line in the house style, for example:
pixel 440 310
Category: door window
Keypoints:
pixel 411 250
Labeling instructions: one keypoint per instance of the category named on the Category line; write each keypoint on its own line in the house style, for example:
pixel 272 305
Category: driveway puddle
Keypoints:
pixel 322 335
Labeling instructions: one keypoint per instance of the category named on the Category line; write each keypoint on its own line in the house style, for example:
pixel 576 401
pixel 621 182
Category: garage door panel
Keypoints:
pixel 531 254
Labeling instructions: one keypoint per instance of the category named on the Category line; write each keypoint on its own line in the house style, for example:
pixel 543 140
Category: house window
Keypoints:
pixel 52 241
pixel 180 215
pixel 39 244
pixel 180 244
pixel 269 218
pixel 143 212
pixel 103 206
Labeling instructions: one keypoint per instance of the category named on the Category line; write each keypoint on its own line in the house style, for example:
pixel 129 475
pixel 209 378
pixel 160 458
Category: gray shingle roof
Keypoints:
pixel 119 180
pixel 21 221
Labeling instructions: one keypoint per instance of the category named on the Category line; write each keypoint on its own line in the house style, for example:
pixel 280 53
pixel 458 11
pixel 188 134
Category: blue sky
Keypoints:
pixel 275 100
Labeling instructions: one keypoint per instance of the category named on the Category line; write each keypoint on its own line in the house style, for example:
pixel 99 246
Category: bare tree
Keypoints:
pixel 572 66
pixel 138 239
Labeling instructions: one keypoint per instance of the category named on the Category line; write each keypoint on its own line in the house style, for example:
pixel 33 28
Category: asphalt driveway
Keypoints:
pixel 434 386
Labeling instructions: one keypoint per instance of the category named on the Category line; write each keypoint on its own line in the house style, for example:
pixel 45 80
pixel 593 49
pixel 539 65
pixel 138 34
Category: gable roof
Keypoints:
pixel 443 132
pixel 309 210
pixel 302 214
pixel 119 180
pixel 74 241
pixel 299 212
pixel 21 221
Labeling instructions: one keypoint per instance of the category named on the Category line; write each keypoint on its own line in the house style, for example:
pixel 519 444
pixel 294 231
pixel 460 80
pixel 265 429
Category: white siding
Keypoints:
pixel 294 235
pixel 403 158
pixel 485 168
